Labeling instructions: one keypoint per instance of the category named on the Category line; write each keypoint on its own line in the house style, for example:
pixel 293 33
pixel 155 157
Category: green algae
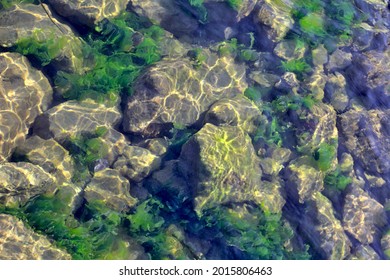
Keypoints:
pixel 261 235
pixel 5 4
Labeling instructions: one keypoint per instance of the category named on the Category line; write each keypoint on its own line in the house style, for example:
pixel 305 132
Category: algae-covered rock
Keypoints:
pixel 18 242
pixel 289 49
pixel 324 231
pixel 362 215
pixel 305 179
pixel 25 93
pixel 367 138
pixel 88 12
pixel 238 111
pixel 73 118
pixel 136 163
pixel 276 18
pixel 21 181
pixel 49 155
pixel 178 92
pixel 109 187
pixel 23 22
pixel 316 126
pixel 222 167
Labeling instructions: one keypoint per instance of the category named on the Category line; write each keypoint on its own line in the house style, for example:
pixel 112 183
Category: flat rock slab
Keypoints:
pixel 18 242
pixel 25 93
pixel 73 118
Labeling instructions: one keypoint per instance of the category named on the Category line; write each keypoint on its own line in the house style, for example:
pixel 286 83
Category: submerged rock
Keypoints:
pixel 167 14
pixel 26 21
pixel 336 92
pixel 221 166
pixel 364 252
pixel 275 17
pixel 238 111
pixel 88 12
pixel 177 92
pixel 109 187
pixel 305 179
pixel 136 163
pixel 324 230
pixel 18 242
pixel 49 155
pixel 73 118
pixel 362 215
pixel 25 93
pixel 21 181
pixel 367 138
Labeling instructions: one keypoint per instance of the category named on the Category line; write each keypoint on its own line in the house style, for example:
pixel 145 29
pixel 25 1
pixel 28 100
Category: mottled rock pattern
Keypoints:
pixel 24 94
pixel 304 179
pixel 336 92
pixel 222 167
pixel 339 60
pixel 324 230
pixel 238 111
pixel 49 155
pixel 28 20
pixel 276 17
pixel 73 118
pixel 158 146
pixel 166 13
pixel 21 181
pixel 316 126
pixel 136 163
pixel 288 49
pixel 109 187
pixel 176 92
pixel 88 12
pixel 364 252
pixel 367 138
pixel 362 215
pixel 385 244
pixel 18 242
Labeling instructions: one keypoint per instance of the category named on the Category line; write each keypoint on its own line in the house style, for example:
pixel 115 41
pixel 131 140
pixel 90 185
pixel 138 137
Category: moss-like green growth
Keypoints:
pixel 324 156
pixel 197 56
pixel 336 180
pixel 5 4
pixel 146 219
pixel 259 234
pixel 313 24
pixel 234 4
pixel 118 52
pixel 200 10
pixel 297 66
pixel 44 48
pixel 94 236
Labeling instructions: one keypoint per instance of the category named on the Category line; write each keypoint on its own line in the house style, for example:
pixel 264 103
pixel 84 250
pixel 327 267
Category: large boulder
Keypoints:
pixel 178 92
pixel 221 165
pixel 49 155
pixel 88 12
pixel 27 21
pixel 362 216
pixel 367 138
pixel 324 231
pixel 21 181
pixel 18 242
pixel 25 93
